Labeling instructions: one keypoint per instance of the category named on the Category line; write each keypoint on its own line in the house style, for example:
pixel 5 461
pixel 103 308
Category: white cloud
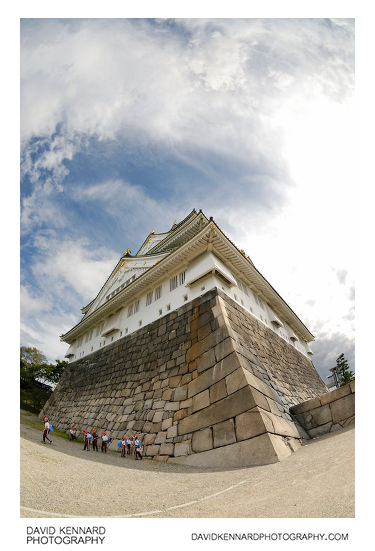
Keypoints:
pixel 31 303
pixel 272 96
pixel 67 266
pixel 219 89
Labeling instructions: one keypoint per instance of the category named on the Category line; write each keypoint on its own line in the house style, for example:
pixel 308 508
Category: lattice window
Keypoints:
pixel 173 283
pixel 149 298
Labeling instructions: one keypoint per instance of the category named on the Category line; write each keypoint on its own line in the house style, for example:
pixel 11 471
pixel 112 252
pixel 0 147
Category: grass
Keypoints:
pixel 30 419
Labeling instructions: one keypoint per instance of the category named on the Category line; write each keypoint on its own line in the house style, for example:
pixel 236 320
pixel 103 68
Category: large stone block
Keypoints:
pixel 174 381
pixel 166 423
pixel 213 375
pixel 218 391
pixel 224 348
pixel 202 440
pixel 343 408
pixel 224 433
pixel 149 439
pixel 158 416
pixel 206 360
pixel 234 404
pixel 152 450
pixel 201 400
pixel 251 423
pixel 161 437
pixel 261 450
pixel 319 416
pixel 167 449
pixel 180 414
pixel 335 394
pixel 182 448
pixel 172 431
pixel 180 393
pixel 172 406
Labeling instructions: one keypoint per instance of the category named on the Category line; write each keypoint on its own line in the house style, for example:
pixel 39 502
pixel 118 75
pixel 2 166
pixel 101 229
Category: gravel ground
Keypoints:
pixel 61 480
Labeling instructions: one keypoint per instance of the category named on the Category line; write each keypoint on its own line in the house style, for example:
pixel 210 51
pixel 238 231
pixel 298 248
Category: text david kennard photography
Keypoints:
pixel 65 534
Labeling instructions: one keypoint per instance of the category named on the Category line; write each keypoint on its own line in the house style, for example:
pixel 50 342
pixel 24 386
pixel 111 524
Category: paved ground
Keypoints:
pixel 61 480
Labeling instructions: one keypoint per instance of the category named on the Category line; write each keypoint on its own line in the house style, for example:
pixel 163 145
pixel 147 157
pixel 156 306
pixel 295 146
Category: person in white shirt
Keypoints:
pixel 138 448
pixel 46 431
pixel 128 444
pixel 104 442
pixel 87 441
pixel 72 434
pixel 123 446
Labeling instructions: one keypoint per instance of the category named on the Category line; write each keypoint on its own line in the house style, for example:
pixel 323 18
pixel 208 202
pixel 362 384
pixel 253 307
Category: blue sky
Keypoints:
pixel 126 125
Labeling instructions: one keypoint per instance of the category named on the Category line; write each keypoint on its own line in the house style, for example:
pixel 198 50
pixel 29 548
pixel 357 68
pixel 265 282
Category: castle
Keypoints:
pixel 189 346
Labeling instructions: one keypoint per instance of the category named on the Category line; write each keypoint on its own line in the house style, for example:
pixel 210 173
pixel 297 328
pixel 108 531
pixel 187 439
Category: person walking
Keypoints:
pixel 104 442
pixel 46 431
pixel 72 434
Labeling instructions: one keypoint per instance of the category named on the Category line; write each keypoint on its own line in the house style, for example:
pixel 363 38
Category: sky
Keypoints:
pixel 129 124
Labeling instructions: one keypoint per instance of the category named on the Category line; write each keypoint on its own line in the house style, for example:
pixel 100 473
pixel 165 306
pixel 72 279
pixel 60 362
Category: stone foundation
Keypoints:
pixel 330 412
pixel 205 385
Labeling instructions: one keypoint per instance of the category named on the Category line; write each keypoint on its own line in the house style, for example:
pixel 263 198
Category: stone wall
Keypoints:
pixel 205 385
pixel 330 412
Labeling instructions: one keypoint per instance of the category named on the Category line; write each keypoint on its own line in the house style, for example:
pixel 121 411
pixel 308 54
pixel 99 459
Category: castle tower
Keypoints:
pixel 188 345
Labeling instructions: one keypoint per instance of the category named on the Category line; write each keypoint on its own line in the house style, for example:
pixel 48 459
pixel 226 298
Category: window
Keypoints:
pixel 181 278
pixel 168 306
pixel 173 283
pixel 185 298
pixel 126 330
pixel 149 298
pixel 130 310
pixel 140 323
pixel 160 312
pixel 136 307
pixel 157 293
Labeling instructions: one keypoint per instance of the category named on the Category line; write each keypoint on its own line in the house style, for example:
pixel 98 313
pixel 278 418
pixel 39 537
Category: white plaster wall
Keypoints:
pixel 171 300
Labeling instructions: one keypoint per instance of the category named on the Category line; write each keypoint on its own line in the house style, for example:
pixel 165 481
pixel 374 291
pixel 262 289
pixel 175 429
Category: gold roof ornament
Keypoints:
pixel 151 232
pixel 127 252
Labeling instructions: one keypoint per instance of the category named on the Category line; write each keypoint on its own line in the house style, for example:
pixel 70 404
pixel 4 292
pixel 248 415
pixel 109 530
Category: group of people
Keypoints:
pixel 91 438
pixel 130 445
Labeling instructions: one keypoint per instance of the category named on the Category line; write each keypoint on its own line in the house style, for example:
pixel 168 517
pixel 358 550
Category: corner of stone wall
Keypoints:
pixel 329 412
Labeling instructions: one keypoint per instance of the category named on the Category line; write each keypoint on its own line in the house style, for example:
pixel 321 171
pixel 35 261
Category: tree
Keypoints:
pixel 37 377
pixel 344 374
pixel 35 368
